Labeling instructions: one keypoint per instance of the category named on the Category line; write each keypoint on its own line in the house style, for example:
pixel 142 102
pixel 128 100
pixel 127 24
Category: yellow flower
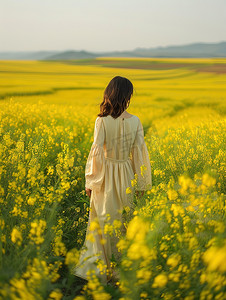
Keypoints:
pixel 143 295
pixel 172 194
pixel 58 246
pixel 37 229
pixel 173 260
pixel 94 225
pixel 134 181
pixel 31 200
pixel 134 231
pixel 2 223
pixel 127 209
pixel 177 210
pixel 160 281
pixel 138 250
pixel 215 258
pixel 117 224
pixel 193 243
pixel 143 169
pixel 128 190
pixel 103 241
pixel 101 296
pixel 50 170
pixel 190 208
pixel 174 277
pixel 108 228
pixel 121 245
pixel 72 257
pixel 208 180
pixel 57 295
pixel 101 266
pixel 143 275
pixel 16 236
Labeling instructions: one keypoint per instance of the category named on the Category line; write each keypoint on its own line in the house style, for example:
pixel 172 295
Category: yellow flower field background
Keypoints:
pixel 175 244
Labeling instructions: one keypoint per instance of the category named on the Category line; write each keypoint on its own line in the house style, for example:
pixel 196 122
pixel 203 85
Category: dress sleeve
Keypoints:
pixel 140 161
pixel 95 165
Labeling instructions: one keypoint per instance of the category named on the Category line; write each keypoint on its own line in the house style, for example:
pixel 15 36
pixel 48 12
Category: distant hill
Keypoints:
pixel 191 50
pixel 71 55
pixel 26 55
pixel 198 50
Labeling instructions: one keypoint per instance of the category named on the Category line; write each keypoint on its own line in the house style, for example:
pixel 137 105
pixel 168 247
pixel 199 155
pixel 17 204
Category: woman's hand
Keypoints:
pixel 88 192
pixel 138 193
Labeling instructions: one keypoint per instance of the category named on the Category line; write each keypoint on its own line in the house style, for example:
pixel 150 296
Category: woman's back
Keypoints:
pixel 118 142
pixel 120 134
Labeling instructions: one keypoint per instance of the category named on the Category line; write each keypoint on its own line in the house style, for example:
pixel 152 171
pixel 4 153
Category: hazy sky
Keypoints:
pixel 108 25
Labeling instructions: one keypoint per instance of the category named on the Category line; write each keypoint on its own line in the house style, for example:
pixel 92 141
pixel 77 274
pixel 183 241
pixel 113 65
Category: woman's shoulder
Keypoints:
pixel 134 117
pixel 131 116
pixel 98 121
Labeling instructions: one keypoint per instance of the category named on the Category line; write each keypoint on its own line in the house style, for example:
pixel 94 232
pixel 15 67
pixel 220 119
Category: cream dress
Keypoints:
pixel 117 153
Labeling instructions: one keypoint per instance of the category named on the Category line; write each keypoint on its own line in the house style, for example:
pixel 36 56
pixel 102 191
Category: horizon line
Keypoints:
pixel 94 51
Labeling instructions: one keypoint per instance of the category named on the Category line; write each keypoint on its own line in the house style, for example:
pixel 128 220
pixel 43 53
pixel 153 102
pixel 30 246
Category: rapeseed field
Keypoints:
pixel 47 115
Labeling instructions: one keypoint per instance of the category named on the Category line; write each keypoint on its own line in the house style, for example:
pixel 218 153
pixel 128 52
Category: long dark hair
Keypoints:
pixel 116 97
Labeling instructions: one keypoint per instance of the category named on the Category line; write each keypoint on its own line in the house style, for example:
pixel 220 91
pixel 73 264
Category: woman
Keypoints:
pixel 117 154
